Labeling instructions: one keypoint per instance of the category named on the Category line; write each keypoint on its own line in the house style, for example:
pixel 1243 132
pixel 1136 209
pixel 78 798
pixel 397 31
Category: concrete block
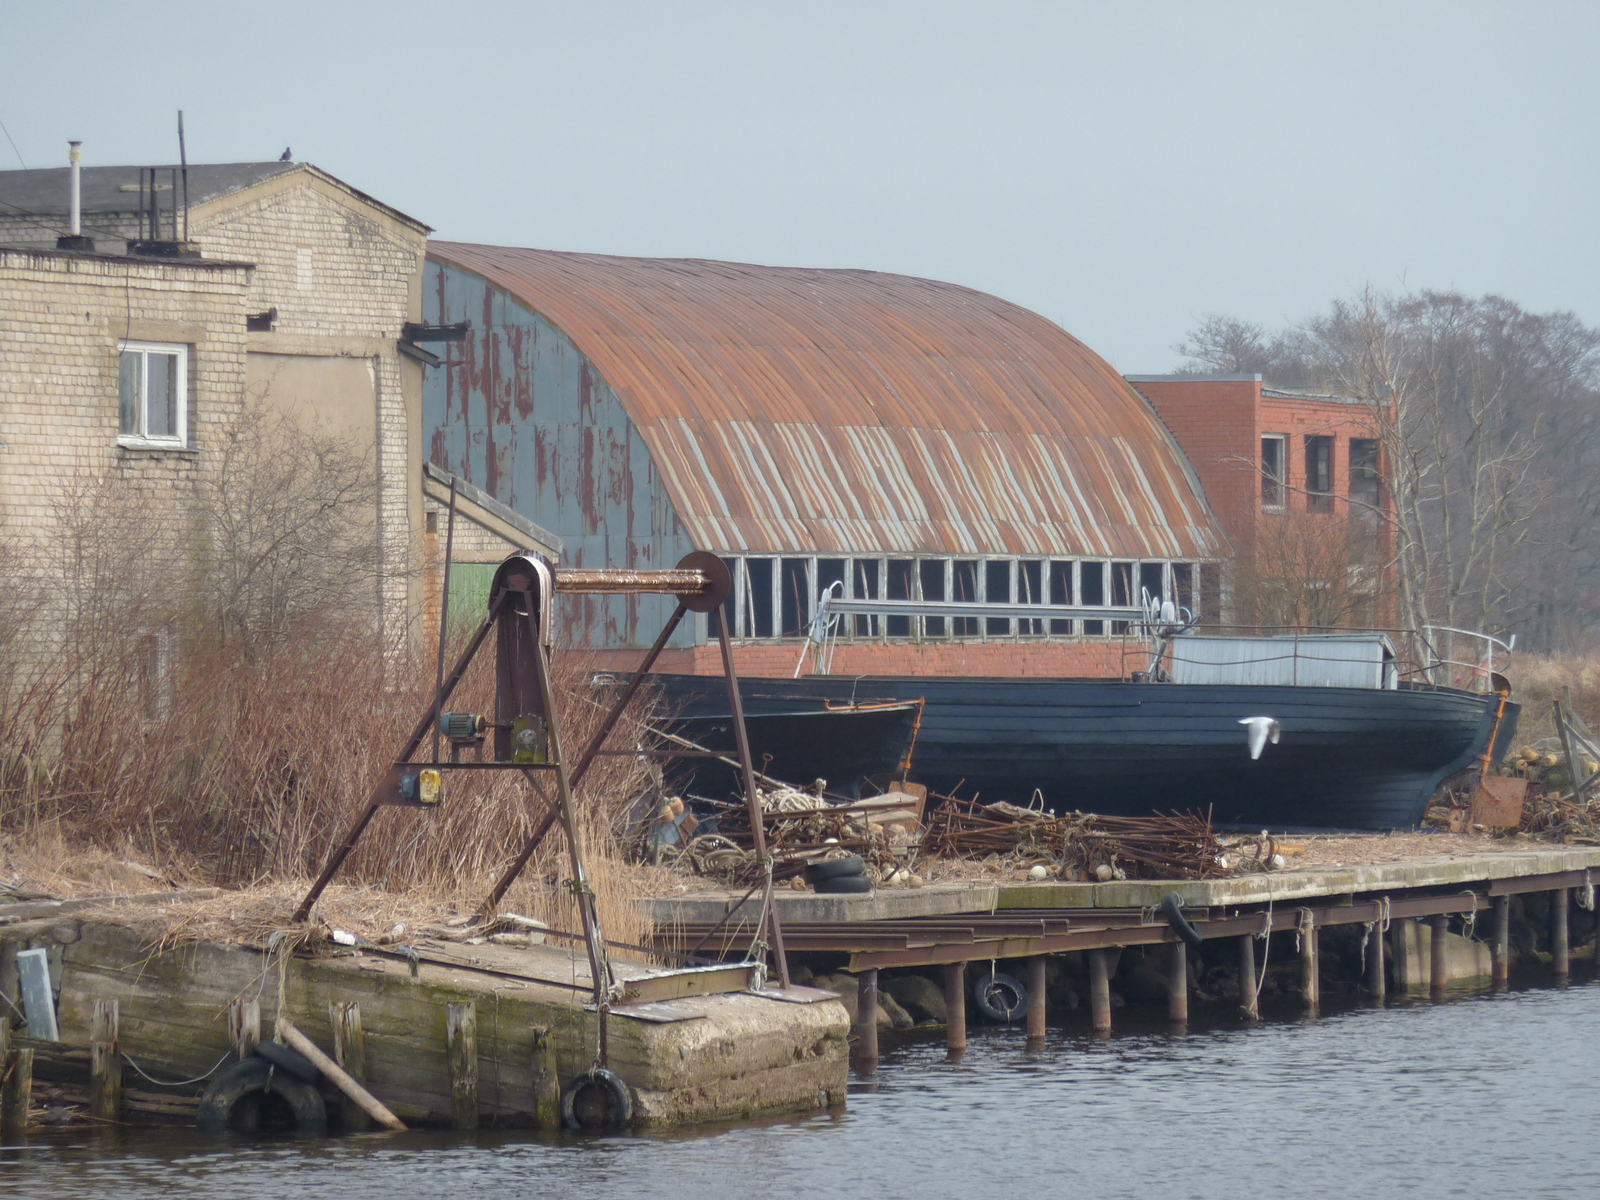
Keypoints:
pixel 1410 943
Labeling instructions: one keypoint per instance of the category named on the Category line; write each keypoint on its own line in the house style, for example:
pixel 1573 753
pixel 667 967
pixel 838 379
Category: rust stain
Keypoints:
pixel 789 409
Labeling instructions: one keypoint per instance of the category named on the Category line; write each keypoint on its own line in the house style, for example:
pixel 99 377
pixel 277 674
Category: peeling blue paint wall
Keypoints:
pixel 519 411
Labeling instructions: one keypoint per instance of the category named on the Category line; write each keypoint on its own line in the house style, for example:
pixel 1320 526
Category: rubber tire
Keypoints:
pixel 235 1082
pixel 835 868
pixel 1171 907
pixel 991 992
pixel 611 1082
pixel 292 1061
pixel 844 885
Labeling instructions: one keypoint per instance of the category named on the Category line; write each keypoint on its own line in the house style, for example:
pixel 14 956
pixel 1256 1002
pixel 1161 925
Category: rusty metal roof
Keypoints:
pixel 835 411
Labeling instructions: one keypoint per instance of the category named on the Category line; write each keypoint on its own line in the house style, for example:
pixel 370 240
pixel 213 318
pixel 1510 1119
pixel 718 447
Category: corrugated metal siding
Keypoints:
pixel 793 410
pixel 1337 660
pixel 519 411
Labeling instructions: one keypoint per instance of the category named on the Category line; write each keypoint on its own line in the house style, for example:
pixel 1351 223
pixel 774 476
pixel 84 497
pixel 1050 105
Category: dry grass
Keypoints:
pixel 1537 681
pixel 141 722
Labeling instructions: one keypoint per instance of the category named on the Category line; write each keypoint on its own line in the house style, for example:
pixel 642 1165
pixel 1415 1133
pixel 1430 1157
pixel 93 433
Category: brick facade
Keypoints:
pixel 63 319
pixel 1221 421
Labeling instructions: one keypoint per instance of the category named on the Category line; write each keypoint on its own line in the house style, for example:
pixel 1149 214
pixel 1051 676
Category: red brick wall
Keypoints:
pixel 1219 424
pixel 1215 424
pixel 1096 659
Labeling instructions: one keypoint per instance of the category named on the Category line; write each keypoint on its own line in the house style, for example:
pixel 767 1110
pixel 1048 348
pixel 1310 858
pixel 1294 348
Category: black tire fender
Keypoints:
pixel 1171 906
pixel 292 1061
pixel 841 885
pixel 235 1082
pixel 835 868
pixel 621 1100
pixel 999 997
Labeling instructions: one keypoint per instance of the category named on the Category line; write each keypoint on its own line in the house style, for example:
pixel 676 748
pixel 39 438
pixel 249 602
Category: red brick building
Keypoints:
pixel 1295 480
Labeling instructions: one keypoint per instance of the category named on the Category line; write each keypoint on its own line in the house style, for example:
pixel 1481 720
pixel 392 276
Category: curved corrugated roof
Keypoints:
pixel 791 409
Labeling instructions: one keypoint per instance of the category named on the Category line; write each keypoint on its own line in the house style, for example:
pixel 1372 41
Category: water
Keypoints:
pixel 1489 1095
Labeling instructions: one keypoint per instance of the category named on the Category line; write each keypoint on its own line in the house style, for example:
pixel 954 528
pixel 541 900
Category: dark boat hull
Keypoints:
pixel 1347 758
pixel 805 741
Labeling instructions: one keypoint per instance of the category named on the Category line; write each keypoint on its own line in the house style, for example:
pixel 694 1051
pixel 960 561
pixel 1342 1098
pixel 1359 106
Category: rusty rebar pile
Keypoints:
pixel 1180 846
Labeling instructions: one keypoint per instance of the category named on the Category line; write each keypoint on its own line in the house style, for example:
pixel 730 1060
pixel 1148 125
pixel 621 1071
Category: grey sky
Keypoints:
pixel 1120 167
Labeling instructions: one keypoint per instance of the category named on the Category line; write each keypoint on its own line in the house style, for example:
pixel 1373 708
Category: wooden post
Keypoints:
pixel 1560 950
pixel 244 1027
pixel 955 1007
pixel 1100 992
pixel 461 1047
pixel 867 1016
pixel 1310 963
pixel 1178 983
pixel 546 1084
pixel 350 1052
pixel 16 1095
pixel 105 1062
pixel 10 985
pixel 1377 979
pixel 1439 957
pixel 338 1076
pixel 1036 1000
pixel 1502 940
pixel 1247 978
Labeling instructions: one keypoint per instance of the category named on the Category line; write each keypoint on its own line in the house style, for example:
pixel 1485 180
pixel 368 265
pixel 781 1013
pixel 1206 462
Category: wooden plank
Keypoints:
pixel 338 1076
pixel 16 1096
pixel 350 1052
pixel 461 1048
pixel 244 1027
pixel 105 1064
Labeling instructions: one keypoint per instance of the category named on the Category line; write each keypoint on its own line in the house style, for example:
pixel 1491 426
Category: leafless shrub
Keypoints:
pixel 212 693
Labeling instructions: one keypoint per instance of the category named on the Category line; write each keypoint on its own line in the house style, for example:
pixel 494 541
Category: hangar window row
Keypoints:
pixel 776 597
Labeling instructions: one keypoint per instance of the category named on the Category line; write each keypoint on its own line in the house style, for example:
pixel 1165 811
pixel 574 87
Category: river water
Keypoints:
pixel 1484 1095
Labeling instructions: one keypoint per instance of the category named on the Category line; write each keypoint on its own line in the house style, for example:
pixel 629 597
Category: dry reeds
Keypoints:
pixel 1537 680
pixel 147 712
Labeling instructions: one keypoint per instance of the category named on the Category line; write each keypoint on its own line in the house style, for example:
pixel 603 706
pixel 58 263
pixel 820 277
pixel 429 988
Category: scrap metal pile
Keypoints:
pixel 1080 845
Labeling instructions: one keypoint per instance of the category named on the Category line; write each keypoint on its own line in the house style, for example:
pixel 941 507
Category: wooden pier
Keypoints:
pixel 1426 924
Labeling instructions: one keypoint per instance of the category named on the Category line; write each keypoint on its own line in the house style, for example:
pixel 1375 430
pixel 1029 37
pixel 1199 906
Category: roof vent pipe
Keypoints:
pixel 75 240
pixel 76 158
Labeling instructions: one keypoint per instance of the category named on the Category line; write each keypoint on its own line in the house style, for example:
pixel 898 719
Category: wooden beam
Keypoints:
pixel 105 1062
pixel 461 1048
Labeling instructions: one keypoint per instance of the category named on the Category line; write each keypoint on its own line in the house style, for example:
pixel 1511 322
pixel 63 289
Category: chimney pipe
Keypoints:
pixel 76 158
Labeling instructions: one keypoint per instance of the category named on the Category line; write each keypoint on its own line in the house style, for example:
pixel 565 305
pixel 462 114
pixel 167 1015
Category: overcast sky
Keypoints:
pixel 1120 167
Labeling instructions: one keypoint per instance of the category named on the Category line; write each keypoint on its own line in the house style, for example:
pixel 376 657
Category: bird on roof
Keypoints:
pixel 286 156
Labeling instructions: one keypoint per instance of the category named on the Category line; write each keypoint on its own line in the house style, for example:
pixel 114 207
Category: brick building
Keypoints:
pixel 1295 479
pixel 895 438
pixel 127 353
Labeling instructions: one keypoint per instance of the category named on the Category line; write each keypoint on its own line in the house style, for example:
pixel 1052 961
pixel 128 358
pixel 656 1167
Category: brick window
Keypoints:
pixel 1319 474
pixel 153 393
pixel 1272 470
pixel 1364 474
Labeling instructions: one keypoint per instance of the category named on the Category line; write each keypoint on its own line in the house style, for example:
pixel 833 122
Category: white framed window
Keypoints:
pixel 153 393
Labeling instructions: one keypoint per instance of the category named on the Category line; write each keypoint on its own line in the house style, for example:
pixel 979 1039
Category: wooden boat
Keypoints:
pixel 797 740
pixel 1347 758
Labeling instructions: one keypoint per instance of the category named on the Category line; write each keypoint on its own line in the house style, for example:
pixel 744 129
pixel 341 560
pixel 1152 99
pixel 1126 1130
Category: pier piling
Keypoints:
pixel 350 1052
pixel 1178 984
pixel 1377 978
pixel 16 1095
pixel 955 1008
pixel 546 1083
pixel 1247 978
pixel 244 1027
pixel 1439 957
pixel 1502 940
pixel 1560 948
pixel 461 1048
pixel 1100 991
pixel 1310 964
pixel 867 1016
pixel 105 1062
pixel 1036 1000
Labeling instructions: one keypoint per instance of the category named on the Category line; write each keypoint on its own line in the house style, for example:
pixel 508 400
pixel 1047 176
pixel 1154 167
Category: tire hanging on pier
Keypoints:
pixel 591 1090
pixel 1001 998
pixel 1171 906
pixel 258 1076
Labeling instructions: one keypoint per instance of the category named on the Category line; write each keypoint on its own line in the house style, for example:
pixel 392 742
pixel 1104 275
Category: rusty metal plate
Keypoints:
pixel 1498 802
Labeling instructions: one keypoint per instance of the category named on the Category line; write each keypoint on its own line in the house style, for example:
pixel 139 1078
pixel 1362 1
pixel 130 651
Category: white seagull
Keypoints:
pixel 1260 730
